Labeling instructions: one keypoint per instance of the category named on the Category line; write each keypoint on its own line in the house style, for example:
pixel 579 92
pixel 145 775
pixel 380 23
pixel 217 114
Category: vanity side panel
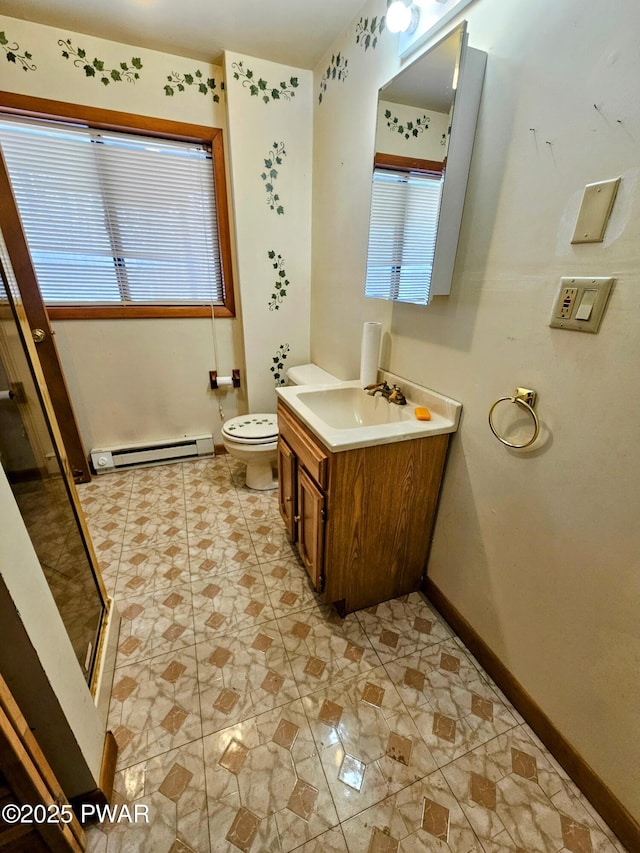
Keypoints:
pixel 381 504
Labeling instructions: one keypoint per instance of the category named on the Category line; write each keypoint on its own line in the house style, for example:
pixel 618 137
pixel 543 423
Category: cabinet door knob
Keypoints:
pixel 287 500
pixel 296 518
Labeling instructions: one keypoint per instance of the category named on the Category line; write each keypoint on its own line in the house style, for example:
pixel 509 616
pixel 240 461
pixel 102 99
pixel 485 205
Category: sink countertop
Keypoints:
pixel 445 414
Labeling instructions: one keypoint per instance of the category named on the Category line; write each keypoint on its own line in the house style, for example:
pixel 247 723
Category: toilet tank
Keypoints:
pixel 310 374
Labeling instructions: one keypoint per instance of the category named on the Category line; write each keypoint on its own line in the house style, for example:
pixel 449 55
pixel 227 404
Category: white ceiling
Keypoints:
pixel 293 32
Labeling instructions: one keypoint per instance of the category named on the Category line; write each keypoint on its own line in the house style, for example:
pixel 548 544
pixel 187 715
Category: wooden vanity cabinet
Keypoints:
pixel 361 519
pixel 287 485
pixel 302 481
pixel 310 530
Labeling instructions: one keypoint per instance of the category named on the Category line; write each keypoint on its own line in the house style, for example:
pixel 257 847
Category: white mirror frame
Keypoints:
pixel 460 147
pixel 463 129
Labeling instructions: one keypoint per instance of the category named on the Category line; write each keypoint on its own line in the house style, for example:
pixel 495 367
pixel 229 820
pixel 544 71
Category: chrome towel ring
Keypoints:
pixel 525 398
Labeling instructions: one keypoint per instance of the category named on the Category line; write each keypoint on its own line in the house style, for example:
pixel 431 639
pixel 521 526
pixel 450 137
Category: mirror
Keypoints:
pixel 424 138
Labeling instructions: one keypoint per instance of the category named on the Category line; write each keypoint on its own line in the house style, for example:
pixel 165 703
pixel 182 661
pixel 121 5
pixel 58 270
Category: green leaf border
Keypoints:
pixel 259 87
pixel 97 68
pixel 180 82
pixel 282 282
pixel 12 54
pixel 368 31
pixel 277 368
pixel 337 70
pixel 270 175
pixel 408 129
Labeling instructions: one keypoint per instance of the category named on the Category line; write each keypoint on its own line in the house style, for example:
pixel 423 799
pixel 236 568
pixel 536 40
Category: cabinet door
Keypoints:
pixel 287 486
pixel 310 523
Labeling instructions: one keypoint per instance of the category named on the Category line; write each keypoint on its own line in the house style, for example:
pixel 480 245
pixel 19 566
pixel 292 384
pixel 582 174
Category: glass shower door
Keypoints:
pixel 33 459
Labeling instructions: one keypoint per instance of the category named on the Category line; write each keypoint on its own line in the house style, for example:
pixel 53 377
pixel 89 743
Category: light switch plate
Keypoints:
pixel 595 209
pixel 565 315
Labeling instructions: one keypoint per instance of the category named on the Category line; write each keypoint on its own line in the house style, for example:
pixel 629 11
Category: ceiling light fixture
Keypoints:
pixel 401 18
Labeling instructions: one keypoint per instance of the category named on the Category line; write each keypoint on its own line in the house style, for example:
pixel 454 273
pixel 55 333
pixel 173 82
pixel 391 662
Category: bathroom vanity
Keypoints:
pixel 358 489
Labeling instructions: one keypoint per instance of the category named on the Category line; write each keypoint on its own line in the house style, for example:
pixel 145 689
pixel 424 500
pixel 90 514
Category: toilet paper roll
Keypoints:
pixel 6 395
pixel 369 353
pixel 225 381
pixel 217 382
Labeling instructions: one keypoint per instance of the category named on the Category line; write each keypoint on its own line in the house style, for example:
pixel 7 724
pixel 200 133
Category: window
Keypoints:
pixel 121 223
pixel 405 205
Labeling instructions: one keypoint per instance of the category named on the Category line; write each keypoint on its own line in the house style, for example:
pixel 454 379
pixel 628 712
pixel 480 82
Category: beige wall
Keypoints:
pixel 145 380
pixel 538 550
pixel 134 380
pixel 271 232
pixel 148 380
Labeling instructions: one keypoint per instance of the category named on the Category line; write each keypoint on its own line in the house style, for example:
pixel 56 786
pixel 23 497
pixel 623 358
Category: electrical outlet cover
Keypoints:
pixel 595 209
pixel 580 285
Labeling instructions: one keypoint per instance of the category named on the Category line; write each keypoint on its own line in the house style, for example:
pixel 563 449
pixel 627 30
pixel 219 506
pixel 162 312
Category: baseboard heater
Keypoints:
pixel 110 459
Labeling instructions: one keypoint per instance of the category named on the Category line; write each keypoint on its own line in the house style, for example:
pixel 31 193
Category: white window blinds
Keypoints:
pixel 115 218
pixel 402 235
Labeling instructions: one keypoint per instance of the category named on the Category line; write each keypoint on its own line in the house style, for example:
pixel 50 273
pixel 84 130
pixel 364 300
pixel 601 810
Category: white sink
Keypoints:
pixel 350 407
pixel 344 416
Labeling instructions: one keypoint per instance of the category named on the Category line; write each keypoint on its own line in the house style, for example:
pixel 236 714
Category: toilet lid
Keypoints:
pixel 252 429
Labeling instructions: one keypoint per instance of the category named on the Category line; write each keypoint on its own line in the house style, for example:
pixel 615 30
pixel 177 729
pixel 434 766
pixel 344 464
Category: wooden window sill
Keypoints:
pixel 134 312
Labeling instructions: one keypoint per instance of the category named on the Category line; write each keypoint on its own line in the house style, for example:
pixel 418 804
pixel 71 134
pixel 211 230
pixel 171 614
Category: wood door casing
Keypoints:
pixel 26 780
pixel 31 299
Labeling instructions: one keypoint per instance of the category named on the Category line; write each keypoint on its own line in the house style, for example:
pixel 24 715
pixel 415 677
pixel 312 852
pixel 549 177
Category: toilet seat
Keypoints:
pixel 253 439
pixel 252 429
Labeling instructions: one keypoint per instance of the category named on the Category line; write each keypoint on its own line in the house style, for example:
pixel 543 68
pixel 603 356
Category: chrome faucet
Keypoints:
pixel 392 395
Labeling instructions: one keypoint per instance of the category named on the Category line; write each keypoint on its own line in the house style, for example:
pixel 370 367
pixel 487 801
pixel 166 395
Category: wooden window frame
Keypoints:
pixel 26 105
pixel 408 164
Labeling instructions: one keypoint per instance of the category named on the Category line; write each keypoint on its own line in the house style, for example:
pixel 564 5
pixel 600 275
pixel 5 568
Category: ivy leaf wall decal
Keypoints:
pixel 260 88
pixel 197 80
pixel 270 174
pixel 367 31
pixel 97 68
pixel 281 284
pixel 12 54
pixel 277 367
pixel 337 70
pixel 413 127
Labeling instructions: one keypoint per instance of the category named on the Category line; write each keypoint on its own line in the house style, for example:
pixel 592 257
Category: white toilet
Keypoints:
pixel 253 439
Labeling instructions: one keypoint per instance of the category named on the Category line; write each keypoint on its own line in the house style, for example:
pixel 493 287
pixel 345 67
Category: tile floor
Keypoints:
pixel 251 717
